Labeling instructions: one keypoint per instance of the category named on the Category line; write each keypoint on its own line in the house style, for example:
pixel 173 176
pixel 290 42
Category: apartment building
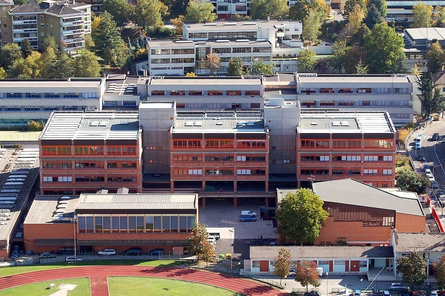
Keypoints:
pixel 67 23
pixel 402 10
pixel 6 22
pixel 390 93
pixel 25 100
pixel 206 93
pixel 119 221
pixel 346 145
pixel 87 151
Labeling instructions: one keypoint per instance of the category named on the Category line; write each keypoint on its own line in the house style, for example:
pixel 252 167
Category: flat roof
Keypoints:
pixel 353 192
pixel 132 201
pixel 92 126
pixel 52 84
pixel 189 43
pixel 346 122
pixel 219 122
pixel 43 208
pixel 419 242
pixel 315 252
pixel 237 26
pixel 121 86
pixel 179 81
pixel 156 105
pixel 344 78
pixel 426 33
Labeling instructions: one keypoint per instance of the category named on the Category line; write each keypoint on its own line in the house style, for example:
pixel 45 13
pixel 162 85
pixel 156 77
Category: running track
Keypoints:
pixel 98 278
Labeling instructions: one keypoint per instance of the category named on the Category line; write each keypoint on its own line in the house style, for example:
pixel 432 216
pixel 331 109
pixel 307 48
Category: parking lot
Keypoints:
pixel 223 217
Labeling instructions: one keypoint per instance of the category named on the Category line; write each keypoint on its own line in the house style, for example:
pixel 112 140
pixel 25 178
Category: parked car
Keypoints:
pixel 421 157
pixel 156 252
pixel 248 216
pixel 398 286
pixel 45 255
pixel 434 185
pixel 133 252
pixel 433 293
pixel 418 146
pixel 292 271
pixel 430 177
pixel 434 137
pixel 426 167
pixel 428 171
pixel 72 259
pixel 107 252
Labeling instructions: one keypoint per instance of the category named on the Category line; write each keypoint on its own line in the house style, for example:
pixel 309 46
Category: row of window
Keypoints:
pixel 88 150
pixel 218 172
pixel 219 143
pixel 209 93
pixel 344 172
pixel 69 179
pixel 324 144
pixel 87 165
pixel 351 158
pixel 355 90
pixel 49 95
pixel 218 158
pixel 140 223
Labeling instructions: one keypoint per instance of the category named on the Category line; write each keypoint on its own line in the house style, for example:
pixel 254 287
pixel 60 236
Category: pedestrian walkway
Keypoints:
pixel 98 278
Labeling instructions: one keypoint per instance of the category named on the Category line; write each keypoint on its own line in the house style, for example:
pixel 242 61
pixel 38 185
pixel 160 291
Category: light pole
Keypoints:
pixel 74 239
pixel 327 283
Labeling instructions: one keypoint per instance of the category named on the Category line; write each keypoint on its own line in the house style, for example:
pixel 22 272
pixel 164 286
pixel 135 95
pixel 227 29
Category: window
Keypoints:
pixel 123 227
pixel 115 223
pixel 370 171
pixel 371 158
pixel 149 223
pixel 387 172
pixel 339 144
pixel 324 158
pixel 195 172
pixel 387 158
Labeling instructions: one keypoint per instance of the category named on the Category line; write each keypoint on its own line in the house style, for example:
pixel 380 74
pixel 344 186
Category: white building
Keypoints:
pixel 24 100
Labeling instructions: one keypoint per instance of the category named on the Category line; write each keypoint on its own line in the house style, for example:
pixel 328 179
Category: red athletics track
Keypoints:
pixel 98 278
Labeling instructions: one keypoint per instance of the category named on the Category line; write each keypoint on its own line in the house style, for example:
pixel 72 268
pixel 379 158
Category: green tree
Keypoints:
pixel 411 181
pixel 149 13
pixel 440 272
pixel 422 15
pixel 360 36
pixel 355 20
pixel 208 252
pixel 384 49
pixel 199 11
pixel 9 54
pixel 380 5
pixel 212 62
pixel 301 216
pixel 435 58
pixel 350 5
pixel 27 68
pixel 236 67
pixel 306 60
pixel 119 9
pixel 307 274
pixel 26 48
pixel 354 56
pixel 299 10
pixel 361 68
pixel 35 125
pixel 3 73
pixel 339 51
pixel 49 61
pixel 439 16
pixel 197 239
pixel 430 96
pixel 176 7
pixel 311 26
pixel 86 65
pixel 108 40
pixel 64 66
pixel 48 42
pixel 282 264
pixel 413 268
pixel 373 17
pixel 260 68
pixel 275 9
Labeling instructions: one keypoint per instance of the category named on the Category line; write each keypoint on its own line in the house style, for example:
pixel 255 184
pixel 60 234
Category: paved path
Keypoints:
pixel 98 277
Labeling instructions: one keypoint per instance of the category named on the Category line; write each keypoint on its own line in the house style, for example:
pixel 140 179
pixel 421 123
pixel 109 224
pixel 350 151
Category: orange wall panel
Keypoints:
pixel 410 223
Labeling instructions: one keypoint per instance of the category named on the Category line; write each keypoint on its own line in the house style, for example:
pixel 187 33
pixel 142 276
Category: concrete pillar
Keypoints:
pixel 266 202
pixel 203 202
pixel 235 201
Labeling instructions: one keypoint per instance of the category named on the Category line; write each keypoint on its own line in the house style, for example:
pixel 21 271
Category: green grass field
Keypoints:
pixel 123 286
pixel 6 271
pixel 41 289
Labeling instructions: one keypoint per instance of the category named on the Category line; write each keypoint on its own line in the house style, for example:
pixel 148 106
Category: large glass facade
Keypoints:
pixel 135 223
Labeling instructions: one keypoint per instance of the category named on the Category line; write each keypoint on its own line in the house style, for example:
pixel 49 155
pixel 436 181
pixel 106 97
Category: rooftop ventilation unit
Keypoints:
pixel 94 123
pixel 344 123
pixel 210 25
pixel 249 24
pixel 189 123
pixel 229 24
pixel 314 123
pixel 242 40
pixel 222 41
pixel 219 123
pixel 102 123
pixel 336 123
pixel 197 123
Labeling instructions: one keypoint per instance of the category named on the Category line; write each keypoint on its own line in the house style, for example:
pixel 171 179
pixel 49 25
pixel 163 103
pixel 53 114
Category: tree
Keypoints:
pixel 26 48
pixel 361 68
pixel 274 9
pixel 422 15
pixel 9 54
pixel 350 6
pixel 435 58
pixel 27 68
pixel 301 216
pixel 411 181
pixel 119 9
pixel 64 64
pixel 439 16
pixel 299 10
pixel 178 22
pixel 212 62
pixel 176 7
pixel 413 268
pixel 311 26
pixel 86 65
pixel 380 5
pixel 199 11
pixel 235 67
pixel 323 66
pixel 354 56
pixel 384 49
pixel 306 274
pixel 197 239
pixel 108 40
pixel 355 20
pixel 149 13
pixel 373 17
pixel 260 68
pixel 49 61
pixel 430 96
pixel 3 73
pixel 48 42
pixel 282 264
pixel 208 252
pixel 339 50
pixel 440 272
pixel 306 60
pixel 360 36
pixel 35 125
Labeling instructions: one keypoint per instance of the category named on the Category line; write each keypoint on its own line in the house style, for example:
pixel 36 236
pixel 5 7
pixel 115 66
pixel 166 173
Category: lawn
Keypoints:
pixel 122 286
pixel 41 289
pixel 6 271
